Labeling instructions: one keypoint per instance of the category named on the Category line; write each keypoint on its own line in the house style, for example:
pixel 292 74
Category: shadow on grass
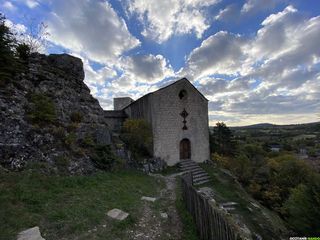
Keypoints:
pixel 68 206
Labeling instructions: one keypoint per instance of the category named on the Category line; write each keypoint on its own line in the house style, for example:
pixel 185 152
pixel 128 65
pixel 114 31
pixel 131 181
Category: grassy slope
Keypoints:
pixel 189 231
pixel 260 220
pixel 66 207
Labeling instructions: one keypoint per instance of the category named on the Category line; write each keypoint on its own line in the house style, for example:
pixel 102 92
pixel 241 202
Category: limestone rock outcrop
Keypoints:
pixel 48 117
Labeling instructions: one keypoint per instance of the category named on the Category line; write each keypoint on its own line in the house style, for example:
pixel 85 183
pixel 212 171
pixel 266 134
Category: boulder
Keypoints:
pixel 30 234
pixel 149 199
pixel 118 214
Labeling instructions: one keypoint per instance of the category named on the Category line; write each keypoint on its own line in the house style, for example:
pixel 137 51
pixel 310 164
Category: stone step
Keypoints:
pixel 201 182
pixel 187 164
pixel 199 175
pixel 197 179
pixel 197 171
pixel 185 160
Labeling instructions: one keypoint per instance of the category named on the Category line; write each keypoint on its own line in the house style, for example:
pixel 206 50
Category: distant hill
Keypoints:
pixel 270 125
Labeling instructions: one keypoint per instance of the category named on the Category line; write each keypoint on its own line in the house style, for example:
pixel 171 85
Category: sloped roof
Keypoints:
pixel 182 79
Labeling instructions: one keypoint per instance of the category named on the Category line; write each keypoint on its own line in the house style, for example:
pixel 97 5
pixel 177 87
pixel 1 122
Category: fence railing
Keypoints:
pixel 211 223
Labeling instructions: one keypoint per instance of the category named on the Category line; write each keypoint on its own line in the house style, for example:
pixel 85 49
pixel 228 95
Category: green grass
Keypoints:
pixel 259 220
pixel 189 231
pixel 170 170
pixel 67 207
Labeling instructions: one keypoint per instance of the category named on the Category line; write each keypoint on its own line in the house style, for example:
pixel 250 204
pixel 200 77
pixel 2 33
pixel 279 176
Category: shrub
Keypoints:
pixel 103 157
pixel 70 140
pixel 7 59
pixel 41 110
pixel 76 117
pixel 59 132
pixel 87 141
pixel 62 163
pixel 302 208
pixel 137 135
pixel 23 51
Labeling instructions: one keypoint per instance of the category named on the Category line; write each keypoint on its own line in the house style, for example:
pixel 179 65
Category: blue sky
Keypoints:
pixel 255 60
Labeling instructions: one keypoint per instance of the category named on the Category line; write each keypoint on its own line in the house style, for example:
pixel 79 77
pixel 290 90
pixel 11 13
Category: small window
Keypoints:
pixel 183 94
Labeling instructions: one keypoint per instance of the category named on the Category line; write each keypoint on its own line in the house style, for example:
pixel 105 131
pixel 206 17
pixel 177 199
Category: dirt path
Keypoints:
pixel 159 219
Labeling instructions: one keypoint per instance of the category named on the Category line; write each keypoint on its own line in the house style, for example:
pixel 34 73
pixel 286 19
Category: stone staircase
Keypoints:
pixel 198 174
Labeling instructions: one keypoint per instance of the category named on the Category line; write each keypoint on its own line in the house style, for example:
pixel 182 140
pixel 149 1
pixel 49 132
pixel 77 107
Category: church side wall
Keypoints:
pixel 166 107
pixel 140 109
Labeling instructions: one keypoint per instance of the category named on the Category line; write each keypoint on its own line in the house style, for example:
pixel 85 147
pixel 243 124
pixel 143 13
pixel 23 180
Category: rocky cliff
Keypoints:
pixel 49 119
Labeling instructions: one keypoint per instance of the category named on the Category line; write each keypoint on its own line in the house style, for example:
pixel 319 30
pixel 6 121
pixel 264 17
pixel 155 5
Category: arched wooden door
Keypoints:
pixel 185 149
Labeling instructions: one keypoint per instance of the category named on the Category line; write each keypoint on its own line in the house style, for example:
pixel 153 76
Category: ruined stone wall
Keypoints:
pixel 140 109
pixel 121 103
pixel 115 119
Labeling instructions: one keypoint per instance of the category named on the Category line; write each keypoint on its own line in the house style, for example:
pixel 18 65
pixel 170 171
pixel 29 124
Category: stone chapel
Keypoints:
pixel 178 115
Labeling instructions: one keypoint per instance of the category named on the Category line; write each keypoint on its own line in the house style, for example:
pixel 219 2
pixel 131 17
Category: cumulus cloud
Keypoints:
pixel 90 27
pixel 230 12
pixel 252 6
pixel 9 5
pixel 277 71
pixel 220 53
pixel 162 19
pixel 32 3
pixel 146 68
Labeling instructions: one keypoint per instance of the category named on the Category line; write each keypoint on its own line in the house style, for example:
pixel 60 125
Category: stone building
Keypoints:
pixel 178 115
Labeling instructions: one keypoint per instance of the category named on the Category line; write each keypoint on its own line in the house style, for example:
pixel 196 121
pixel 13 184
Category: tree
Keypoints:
pixel 222 140
pixel 36 37
pixel 7 58
pixel 137 134
pixel 302 208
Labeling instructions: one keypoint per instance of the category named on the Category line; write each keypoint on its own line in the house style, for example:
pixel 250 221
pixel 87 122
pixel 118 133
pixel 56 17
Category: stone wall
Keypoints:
pixel 162 110
pixel 167 122
pixel 115 119
pixel 121 103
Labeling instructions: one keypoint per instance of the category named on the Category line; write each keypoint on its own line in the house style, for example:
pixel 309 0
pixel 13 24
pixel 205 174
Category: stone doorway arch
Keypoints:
pixel 185 149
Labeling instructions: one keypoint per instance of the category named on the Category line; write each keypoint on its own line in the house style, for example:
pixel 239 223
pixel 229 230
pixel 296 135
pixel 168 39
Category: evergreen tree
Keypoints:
pixel 222 140
pixel 7 58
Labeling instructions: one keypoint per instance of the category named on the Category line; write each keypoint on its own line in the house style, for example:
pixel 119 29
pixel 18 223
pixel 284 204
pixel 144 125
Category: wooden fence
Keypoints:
pixel 211 223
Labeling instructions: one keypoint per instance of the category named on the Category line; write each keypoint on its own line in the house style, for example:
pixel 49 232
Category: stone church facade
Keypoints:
pixel 178 115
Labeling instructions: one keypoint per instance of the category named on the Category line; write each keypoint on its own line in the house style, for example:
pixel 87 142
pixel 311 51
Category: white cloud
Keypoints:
pixel 9 5
pixel 17 29
pixel 146 68
pixel 162 19
pixel 220 53
pixel 251 6
pixel 230 12
pixel 90 27
pixel 32 3
pixel 274 73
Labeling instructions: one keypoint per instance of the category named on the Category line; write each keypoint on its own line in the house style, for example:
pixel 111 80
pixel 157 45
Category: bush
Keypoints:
pixel 87 141
pixel 137 134
pixel 70 140
pixel 76 117
pixel 103 158
pixel 23 51
pixel 7 58
pixel 302 208
pixel 62 163
pixel 41 110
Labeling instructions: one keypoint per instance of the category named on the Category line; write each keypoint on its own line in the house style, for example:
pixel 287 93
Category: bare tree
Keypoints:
pixel 36 36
